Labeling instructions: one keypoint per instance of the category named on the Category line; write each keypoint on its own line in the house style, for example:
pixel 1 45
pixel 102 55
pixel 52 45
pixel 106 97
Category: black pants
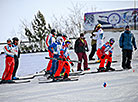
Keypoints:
pixel 126 58
pixel 16 66
pixel 93 50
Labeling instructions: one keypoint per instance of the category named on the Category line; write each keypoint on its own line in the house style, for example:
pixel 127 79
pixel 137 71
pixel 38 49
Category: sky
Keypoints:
pixel 14 12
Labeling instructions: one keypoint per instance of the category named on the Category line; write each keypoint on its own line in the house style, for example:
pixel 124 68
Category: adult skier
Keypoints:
pixel 80 49
pixel 99 36
pixel 126 42
pixel 55 50
pixel 64 55
pixel 9 62
pixel 50 39
pixel 16 57
pixel 102 54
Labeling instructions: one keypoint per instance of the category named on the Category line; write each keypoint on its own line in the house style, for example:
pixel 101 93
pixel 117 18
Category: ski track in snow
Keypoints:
pixel 121 86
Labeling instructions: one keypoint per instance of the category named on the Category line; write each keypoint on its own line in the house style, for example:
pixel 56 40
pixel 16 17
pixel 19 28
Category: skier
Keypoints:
pixel 99 37
pixel 55 50
pixel 126 42
pixel 9 62
pixel 50 39
pixel 93 44
pixel 101 53
pixel 16 57
pixel 80 49
pixel 64 54
pixel 64 36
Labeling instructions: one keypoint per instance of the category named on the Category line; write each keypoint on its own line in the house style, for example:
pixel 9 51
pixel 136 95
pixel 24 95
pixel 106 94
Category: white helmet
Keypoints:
pixel 59 39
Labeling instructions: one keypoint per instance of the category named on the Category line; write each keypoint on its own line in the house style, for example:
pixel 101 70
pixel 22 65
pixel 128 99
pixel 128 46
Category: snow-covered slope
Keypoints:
pixel 121 86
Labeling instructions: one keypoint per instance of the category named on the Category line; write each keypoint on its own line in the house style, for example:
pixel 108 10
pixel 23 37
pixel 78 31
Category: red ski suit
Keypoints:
pixel 101 53
pixel 62 64
pixel 9 62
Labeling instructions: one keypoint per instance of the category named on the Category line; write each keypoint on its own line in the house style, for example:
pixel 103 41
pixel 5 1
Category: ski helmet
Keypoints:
pixel 59 39
pixel 67 42
pixel 59 34
pixel 9 42
pixel 64 35
pixel 81 35
pixel 15 39
pixel 111 41
pixel 99 26
pixel 53 31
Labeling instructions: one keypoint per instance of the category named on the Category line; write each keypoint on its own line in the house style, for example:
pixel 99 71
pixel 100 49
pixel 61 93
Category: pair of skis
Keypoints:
pixel 51 80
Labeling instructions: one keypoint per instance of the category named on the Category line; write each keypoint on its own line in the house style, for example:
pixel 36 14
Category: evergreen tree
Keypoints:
pixel 39 30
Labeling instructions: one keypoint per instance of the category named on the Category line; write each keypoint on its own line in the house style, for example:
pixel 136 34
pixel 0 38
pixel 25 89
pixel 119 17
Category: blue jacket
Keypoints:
pixel 55 47
pixel 127 41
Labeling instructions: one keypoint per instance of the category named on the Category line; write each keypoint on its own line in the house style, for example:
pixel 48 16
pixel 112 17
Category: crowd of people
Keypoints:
pixel 58 49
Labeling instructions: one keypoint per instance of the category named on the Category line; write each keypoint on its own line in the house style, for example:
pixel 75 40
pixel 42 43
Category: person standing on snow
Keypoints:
pixel 16 57
pixel 80 49
pixel 101 53
pixel 126 42
pixel 64 54
pixel 93 44
pixel 55 50
pixel 9 62
pixel 50 39
pixel 99 36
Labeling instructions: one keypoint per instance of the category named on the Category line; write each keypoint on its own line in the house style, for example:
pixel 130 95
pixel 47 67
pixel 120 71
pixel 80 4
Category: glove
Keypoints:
pixel 72 64
pixel 64 59
pixel 55 53
pixel 121 46
pixel 110 55
pixel 103 56
pixel 135 48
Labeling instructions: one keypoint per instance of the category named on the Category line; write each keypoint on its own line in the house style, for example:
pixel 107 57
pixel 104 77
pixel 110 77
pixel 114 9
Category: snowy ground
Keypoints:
pixel 121 86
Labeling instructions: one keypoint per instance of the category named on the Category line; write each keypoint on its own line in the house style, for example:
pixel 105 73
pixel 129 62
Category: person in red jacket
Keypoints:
pixel 101 53
pixel 50 39
pixel 9 62
pixel 64 54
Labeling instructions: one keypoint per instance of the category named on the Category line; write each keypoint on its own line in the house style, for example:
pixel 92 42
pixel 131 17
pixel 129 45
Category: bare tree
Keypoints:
pixel 71 25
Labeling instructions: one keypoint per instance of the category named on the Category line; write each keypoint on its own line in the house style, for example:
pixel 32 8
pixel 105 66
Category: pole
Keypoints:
pixel 135 16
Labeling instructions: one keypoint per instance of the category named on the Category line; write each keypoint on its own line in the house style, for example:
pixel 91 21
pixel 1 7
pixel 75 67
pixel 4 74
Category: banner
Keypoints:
pixel 111 19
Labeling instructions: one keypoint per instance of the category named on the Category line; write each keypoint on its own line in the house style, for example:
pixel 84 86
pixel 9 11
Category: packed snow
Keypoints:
pixel 121 86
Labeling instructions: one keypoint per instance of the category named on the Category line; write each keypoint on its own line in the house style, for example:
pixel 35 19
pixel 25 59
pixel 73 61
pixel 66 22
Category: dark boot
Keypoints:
pixel 65 76
pixel 86 69
pixel 108 67
pixel 101 69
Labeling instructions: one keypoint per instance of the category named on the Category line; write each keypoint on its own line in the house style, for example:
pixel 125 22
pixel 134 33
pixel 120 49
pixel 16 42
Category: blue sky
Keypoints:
pixel 12 12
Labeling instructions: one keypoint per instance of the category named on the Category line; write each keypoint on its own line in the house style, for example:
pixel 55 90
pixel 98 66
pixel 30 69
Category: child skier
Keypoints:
pixel 9 62
pixel 55 50
pixel 50 39
pixel 16 57
pixel 64 55
pixel 101 53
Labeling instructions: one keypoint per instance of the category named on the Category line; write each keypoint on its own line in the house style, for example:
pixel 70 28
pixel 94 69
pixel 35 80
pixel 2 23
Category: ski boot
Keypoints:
pixel 46 73
pixel 50 77
pixel 86 69
pixel 66 77
pixel 101 69
pixel 108 68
